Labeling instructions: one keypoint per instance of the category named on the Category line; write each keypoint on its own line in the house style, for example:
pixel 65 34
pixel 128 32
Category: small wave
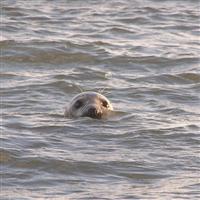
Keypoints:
pixel 135 20
pixel 194 77
pixel 119 30
pixel 7 156
pixel 150 60
pixel 175 111
pixel 171 79
pixel 62 166
pixel 37 18
pixel 13 11
pixel 52 58
pixel 7 75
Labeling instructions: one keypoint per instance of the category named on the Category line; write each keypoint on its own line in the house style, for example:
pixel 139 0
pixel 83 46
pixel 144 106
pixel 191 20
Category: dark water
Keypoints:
pixel 145 55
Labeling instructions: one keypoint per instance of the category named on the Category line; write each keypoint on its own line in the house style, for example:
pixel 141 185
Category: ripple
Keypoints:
pixel 52 57
pixel 118 30
pixel 135 20
pixel 182 78
pixel 6 156
pixel 194 77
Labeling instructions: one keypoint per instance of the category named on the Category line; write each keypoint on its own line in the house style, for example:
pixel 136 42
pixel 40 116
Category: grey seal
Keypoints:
pixel 88 104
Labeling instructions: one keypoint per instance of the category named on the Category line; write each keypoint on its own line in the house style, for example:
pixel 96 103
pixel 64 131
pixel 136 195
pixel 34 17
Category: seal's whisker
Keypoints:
pixel 81 89
pixel 101 91
pixel 106 93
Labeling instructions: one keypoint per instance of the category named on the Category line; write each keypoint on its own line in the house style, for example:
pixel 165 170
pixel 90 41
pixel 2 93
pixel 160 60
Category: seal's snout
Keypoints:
pixel 94 113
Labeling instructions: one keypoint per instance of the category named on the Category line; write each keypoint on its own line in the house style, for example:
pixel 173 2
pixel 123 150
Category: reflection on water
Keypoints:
pixel 144 56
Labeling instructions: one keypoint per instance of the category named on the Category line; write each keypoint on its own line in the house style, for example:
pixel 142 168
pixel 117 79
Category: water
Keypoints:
pixel 145 55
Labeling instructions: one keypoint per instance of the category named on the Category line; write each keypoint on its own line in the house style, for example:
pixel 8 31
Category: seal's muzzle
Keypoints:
pixel 94 113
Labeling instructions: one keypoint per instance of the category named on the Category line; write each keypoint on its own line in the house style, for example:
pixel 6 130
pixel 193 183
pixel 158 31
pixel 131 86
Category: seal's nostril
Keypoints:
pixel 94 113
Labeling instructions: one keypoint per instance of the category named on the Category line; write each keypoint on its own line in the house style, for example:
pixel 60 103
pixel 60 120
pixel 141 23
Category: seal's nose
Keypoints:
pixel 94 113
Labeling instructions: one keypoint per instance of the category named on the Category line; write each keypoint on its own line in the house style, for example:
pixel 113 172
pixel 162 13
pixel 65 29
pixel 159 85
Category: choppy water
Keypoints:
pixel 145 54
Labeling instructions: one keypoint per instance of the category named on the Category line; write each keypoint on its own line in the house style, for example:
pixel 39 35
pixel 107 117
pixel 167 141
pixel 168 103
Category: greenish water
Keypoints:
pixel 145 55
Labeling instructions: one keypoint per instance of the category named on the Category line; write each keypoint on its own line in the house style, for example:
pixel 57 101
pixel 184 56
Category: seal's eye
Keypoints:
pixel 104 103
pixel 78 104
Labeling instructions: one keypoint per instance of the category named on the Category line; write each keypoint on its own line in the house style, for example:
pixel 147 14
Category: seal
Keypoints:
pixel 88 104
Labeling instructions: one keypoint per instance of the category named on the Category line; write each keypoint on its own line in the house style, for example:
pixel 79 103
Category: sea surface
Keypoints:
pixel 143 55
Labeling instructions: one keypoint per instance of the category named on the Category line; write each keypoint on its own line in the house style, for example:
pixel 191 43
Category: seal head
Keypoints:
pixel 88 104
